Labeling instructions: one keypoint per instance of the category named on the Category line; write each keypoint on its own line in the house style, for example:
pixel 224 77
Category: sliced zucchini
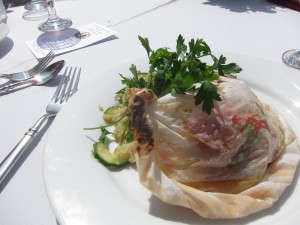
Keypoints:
pixel 113 110
pixel 112 114
pixel 120 156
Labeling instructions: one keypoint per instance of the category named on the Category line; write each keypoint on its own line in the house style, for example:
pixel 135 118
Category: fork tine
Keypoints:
pixel 42 64
pixel 60 85
pixel 68 93
pixel 67 86
pixel 63 92
pixel 73 88
pixel 50 54
pixel 40 67
pixel 77 81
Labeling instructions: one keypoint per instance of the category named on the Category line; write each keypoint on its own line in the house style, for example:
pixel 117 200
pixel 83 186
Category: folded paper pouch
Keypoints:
pixel 292 4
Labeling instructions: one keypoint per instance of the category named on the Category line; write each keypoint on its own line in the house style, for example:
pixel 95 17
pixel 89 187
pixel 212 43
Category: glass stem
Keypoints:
pixel 51 9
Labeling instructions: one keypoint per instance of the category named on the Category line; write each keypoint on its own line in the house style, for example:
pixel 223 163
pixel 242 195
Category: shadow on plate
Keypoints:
pixel 243 6
pixel 6 45
pixel 183 215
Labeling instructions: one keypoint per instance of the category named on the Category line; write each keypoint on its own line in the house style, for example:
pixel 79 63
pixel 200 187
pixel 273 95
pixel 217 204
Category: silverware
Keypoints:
pixel 66 88
pixel 19 76
pixel 39 79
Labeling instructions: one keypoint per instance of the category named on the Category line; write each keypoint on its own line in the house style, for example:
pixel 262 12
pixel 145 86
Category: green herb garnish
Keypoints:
pixel 182 70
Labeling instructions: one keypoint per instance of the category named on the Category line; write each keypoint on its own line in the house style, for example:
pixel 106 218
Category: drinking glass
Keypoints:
pixel 292 58
pixel 3 14
pixel 35 10
pixel 54 23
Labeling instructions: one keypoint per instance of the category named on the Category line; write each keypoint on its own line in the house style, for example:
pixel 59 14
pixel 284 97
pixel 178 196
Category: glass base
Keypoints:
pixel 292 58
pixel 35 10
pixel 55 24
pixel 35 15
pixel 35 5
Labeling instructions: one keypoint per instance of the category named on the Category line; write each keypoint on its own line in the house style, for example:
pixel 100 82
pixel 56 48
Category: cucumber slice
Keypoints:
pixel 112 114
pixel 113 110
pixel 119 157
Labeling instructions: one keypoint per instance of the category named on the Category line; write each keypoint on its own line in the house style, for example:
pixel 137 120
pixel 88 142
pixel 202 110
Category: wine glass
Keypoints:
pixel 54 23
pixel 35 10
pixel 292 58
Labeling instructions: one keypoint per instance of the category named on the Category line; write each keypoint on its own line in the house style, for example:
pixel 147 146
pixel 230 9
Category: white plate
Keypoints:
pixel 4 29
pixel 82 191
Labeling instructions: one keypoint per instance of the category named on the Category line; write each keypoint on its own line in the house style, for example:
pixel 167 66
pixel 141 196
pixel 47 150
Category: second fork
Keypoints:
pixel 19 76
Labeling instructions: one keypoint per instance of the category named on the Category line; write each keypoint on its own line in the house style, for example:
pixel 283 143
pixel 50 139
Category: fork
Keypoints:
pixel 66 88
pixel 19 76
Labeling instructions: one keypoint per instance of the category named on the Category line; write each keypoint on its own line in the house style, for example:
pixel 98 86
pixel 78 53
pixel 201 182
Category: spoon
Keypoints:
pixel 291 58
pixel 39 79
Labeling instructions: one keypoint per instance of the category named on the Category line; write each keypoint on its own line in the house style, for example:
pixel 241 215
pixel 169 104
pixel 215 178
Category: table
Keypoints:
pixel 255 28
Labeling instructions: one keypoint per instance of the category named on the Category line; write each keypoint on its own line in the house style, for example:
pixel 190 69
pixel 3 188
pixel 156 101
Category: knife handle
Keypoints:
pixel 10 85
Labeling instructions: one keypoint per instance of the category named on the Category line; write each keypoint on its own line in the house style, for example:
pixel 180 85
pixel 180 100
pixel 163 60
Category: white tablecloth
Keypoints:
pixel 256 28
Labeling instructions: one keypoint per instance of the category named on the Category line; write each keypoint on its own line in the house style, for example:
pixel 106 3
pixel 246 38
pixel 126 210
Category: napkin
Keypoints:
pixel 293 4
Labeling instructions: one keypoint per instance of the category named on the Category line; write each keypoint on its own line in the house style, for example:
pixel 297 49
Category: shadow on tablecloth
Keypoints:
pixel 6 45
pixel 244 5
pixel 26 153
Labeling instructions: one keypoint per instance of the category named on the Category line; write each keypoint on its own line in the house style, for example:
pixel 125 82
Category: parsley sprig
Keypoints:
pixel 182 70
